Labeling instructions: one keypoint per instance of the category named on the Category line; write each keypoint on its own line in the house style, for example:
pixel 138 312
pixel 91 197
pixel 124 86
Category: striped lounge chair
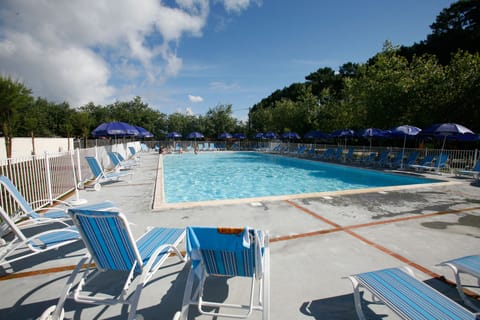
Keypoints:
pixel 408 297
pixel 100 176
pixel 22 246
pixel 227 252
pixel 111 247
pixel 468 265
pixel 25 213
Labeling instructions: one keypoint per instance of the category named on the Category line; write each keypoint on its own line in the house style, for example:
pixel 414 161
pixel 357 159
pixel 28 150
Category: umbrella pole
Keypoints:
pixel 403 150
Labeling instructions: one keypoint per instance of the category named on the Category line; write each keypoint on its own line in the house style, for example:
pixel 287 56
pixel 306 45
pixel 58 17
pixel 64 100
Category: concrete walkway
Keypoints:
pixel 315 243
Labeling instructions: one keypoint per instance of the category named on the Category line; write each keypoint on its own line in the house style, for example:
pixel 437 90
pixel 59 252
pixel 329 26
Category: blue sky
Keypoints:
pixel 191 55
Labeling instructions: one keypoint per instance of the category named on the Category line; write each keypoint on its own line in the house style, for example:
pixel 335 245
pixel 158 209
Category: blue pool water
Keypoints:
pixel 235 175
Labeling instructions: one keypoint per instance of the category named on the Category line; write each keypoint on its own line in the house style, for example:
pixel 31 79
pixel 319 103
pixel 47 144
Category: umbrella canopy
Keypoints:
pixel 444 130
pixel 343 133
pixel 290 135
pixel 404 131
pixel 114 129
pixel 225 135
pixel 174 135
pixel 240 136
pixel 270 135
pixel 315 135
pixel 143 133
pixel 259 135
pixel 373 133
pixel 195 135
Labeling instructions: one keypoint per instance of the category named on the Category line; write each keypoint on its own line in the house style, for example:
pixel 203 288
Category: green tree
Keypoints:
pixel 13 96
pixel 219 119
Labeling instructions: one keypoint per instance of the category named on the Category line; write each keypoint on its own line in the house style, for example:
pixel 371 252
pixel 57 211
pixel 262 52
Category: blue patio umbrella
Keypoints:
pixel 315 135
pixel 404 131
pixel 114 129
pixel 225 135
pixel 290 135
pixel 371 133
pixel 444 130
pixel 143 133
pixel 343 133
pixel 195 135
pixel 240 136
pixel 173 135
pixel 270 135
pixel 259 135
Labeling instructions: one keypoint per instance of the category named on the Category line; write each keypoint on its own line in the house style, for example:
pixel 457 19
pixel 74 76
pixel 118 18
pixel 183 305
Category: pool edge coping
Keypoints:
pixel 159 196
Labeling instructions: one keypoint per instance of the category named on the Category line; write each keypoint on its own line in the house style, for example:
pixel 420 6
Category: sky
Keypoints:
pixel 190 56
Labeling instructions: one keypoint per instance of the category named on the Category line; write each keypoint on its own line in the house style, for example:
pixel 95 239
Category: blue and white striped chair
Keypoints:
pixel 119 161
pixel 21 246
pixel 111 247
pixel 469 265
pixel 24 212
pixel 408 297
pixel 100 176
pixel 227 252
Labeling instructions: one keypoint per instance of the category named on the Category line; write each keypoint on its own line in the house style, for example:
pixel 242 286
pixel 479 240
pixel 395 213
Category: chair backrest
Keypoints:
pixel 427 160
pixel 114 158
pixel 398 157
pixel 412 157
pixel 226 251
pixel 441 161
pixel 6 219
pixel 108 238
pixel 383 156
pixel 94 166
pixel 119 156
pixel 477 166
pixel 18 197
pixel 132 150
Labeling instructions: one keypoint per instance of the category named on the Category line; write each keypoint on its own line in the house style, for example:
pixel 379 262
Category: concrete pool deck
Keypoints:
pixel 316 241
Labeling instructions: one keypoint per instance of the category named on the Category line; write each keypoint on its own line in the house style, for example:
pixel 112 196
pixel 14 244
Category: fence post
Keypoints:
pixel 79 166
pixel 49 178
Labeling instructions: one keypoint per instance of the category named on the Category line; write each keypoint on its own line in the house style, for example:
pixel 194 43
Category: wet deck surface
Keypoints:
pixel 315 242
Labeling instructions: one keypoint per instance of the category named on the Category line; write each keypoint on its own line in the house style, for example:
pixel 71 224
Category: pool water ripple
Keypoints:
pixel 236 175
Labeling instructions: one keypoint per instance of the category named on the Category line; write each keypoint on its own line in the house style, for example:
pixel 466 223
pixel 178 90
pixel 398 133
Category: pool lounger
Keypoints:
pixel 469 265
pixel 408 297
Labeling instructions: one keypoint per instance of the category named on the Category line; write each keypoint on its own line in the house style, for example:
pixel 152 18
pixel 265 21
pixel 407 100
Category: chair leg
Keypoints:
pixel 187 296
pixel 56 312
pixel 458 282
pixel 357 298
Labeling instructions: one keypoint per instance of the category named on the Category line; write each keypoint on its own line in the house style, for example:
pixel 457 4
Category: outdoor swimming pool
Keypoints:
pixel 236 175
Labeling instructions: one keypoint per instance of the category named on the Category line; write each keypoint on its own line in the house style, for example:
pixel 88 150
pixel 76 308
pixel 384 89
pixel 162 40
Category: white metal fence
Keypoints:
pixel 42 179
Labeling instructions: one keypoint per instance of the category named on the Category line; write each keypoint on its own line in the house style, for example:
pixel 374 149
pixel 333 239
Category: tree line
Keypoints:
pixel 436 80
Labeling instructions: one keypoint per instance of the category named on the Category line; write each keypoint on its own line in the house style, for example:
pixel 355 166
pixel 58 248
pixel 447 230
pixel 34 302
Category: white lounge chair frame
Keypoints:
pixel 95 227
pixel 260 279
pixel 468 265
pixel 21 246
pixel 26 213
pixel 100 176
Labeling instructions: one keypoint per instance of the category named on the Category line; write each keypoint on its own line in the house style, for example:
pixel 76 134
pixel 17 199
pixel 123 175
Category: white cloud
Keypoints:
pixel 195 99
pixel 238 5
pixel 71 56
pixel 222 86
pixel 97 50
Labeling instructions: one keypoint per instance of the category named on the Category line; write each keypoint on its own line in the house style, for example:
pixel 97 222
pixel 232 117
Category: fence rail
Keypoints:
pixel 45 178
pixel 42 179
